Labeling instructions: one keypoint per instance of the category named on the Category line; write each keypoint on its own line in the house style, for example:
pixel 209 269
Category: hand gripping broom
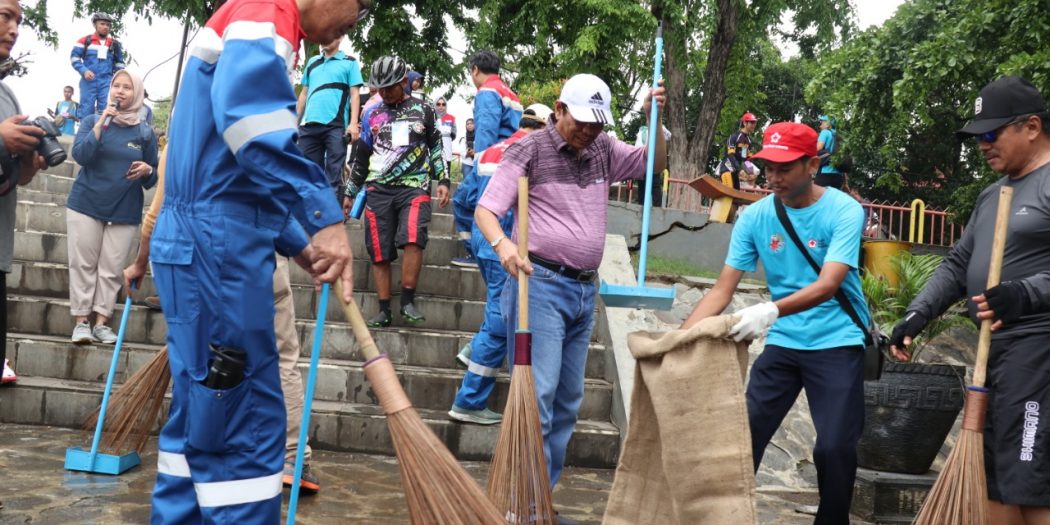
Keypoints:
pixel 518 481
pixel 437 489
pixel 960 495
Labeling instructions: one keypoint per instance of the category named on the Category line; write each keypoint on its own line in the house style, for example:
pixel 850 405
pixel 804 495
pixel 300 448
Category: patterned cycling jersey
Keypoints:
pixel 400 145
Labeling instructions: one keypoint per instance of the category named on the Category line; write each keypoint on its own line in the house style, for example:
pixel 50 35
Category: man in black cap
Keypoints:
pixel 1012 130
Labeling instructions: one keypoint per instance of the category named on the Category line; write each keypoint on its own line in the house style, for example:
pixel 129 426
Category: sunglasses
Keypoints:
pixel 441 103
pixel 993 135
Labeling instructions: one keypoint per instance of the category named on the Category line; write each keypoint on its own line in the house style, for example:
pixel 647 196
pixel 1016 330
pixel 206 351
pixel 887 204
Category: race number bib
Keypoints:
pixel 399 134
pixel 103 52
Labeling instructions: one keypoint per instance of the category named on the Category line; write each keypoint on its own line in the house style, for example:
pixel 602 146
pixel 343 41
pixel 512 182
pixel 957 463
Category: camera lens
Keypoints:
pixel 51 150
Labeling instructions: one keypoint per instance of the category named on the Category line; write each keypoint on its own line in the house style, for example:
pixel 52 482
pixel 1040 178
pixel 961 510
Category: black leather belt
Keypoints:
pixel 583 276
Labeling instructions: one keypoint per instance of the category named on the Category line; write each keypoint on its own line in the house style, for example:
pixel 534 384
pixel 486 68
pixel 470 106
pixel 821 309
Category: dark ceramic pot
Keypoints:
pixel 907 415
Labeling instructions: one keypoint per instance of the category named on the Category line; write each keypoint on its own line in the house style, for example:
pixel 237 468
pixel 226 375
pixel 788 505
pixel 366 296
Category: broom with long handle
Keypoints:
pixel 518 480
pixel 960 495
pixel 437 489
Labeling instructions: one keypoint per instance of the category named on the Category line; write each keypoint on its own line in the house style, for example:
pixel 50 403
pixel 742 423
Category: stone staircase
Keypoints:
pixel 59 383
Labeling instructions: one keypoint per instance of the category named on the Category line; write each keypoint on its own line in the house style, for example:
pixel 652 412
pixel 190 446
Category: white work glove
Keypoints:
pixel 754 321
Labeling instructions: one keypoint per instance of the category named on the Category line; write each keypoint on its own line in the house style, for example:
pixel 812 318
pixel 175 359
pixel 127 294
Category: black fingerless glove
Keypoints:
pixel 910 326
pixel 1009 301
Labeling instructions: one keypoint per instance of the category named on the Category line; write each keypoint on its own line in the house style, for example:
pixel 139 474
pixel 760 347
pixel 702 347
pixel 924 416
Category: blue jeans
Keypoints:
pixel 834 383
pixel 561 316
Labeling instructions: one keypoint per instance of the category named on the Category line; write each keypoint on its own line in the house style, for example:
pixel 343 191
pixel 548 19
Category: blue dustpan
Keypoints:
pixel 640 296
pixel 91 460
pixel 308 398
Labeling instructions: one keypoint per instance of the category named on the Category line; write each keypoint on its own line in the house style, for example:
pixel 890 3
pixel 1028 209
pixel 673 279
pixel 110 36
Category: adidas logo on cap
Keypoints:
pixel 597 99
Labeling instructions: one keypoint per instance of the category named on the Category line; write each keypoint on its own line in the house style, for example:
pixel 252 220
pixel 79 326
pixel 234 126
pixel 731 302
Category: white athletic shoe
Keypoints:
pixel 9 374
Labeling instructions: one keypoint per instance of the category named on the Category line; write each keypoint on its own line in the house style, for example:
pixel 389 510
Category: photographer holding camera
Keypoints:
pixel 118 154
pixel 18 164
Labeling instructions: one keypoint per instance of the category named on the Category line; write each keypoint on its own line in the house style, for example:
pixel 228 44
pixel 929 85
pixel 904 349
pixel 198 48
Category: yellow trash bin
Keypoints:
pixel 878 255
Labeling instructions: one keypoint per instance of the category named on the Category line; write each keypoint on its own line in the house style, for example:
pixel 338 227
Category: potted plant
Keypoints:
pixel 911 409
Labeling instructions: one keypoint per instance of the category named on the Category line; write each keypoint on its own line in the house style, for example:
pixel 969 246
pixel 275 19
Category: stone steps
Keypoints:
pixel 42 211
pixel 334 425
pixel 41 246
pixel 337 379
pixel 54 354
pixel 48 279
pixel 60 382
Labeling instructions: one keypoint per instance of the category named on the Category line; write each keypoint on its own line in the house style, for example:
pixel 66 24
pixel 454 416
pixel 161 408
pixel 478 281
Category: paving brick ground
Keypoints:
pixel 356 488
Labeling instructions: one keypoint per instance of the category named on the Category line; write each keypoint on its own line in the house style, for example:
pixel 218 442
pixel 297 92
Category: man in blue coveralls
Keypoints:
pixel 96 57
pixel 237 189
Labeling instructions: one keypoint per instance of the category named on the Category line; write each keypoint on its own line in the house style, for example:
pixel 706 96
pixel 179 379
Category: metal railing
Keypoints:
pixel 886 220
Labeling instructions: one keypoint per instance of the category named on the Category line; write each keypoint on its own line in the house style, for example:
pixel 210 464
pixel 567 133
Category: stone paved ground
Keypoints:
pixel 357 488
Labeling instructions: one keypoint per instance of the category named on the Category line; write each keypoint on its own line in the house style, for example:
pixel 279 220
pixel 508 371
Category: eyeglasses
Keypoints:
pixel 364 7
pixel 993 135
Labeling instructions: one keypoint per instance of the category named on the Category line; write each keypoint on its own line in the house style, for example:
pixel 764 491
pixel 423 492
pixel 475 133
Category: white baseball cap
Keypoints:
pixel 588 99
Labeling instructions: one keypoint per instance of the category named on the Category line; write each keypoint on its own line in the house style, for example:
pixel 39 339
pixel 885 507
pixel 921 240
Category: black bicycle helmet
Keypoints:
pixel 101 16
pixel 387 71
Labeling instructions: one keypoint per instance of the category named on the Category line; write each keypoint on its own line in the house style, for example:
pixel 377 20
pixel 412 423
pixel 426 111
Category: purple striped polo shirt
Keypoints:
pixel 568 196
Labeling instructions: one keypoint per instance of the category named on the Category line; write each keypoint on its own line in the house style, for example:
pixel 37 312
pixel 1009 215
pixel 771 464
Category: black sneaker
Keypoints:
pixel 381 320
pixel 412 315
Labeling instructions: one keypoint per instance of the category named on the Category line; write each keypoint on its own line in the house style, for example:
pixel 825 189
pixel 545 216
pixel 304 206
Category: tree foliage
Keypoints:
pixel 904 88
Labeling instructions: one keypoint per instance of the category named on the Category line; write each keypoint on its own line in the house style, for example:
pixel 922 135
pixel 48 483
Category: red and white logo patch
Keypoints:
pixel 812 243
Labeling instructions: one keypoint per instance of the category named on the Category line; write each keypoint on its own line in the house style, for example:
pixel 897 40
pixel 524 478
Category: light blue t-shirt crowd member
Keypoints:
pixel 828 137
pixel 831 230
pixel 68 110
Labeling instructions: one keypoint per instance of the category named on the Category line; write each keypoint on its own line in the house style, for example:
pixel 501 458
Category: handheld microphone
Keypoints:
pixel 109 118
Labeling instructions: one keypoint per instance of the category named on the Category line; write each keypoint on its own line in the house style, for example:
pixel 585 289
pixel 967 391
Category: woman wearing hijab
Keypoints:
pixel 117 152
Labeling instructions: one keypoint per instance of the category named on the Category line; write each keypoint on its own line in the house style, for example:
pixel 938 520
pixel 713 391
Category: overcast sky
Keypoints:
pixel 150 45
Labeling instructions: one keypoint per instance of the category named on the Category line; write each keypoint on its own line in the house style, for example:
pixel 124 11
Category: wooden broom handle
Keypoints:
pixel 523 252
pixel 353 314
pixel 995 270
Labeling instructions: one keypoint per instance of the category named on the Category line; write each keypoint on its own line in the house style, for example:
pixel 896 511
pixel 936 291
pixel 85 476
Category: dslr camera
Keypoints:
pixel 49 148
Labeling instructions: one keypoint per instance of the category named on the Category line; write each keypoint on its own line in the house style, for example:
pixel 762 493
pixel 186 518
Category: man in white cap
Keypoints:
pixel 570 166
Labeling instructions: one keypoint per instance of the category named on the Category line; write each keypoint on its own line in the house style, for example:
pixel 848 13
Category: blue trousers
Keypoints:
pixel 326 146
pixel 834 383
pixel 561 316
pixel 94 95
pixel 222 451
pixel 463 204
pixel 489 346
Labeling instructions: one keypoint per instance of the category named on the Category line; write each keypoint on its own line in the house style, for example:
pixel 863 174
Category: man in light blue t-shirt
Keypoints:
pixel 827 145
pixel 812 343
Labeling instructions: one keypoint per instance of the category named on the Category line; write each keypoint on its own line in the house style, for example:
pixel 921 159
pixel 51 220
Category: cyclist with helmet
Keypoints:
pixel 397 156
pixel 738 148
pixel 485 353
pixel 96 57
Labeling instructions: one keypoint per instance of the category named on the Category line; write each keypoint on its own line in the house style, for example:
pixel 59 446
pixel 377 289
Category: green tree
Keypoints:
pixel 905 87
pixel 716 45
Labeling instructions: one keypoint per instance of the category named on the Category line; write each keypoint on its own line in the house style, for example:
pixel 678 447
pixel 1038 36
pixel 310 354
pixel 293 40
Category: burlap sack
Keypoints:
pixel 687 456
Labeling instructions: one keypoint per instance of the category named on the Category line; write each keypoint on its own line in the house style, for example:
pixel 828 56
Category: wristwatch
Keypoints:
pixel 498 240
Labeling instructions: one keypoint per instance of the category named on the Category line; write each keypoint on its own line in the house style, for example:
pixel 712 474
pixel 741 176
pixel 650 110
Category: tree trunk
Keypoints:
pixel 714 90
pixel 674 82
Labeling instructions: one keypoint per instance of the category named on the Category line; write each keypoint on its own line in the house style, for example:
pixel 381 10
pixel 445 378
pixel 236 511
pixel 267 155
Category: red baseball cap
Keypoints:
pixel 787 142
pixel 749 117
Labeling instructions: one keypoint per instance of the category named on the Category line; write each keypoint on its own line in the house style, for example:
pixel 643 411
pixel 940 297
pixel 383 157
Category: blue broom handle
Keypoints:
pixel 650 164
pixel 109 381
pixel 308 403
